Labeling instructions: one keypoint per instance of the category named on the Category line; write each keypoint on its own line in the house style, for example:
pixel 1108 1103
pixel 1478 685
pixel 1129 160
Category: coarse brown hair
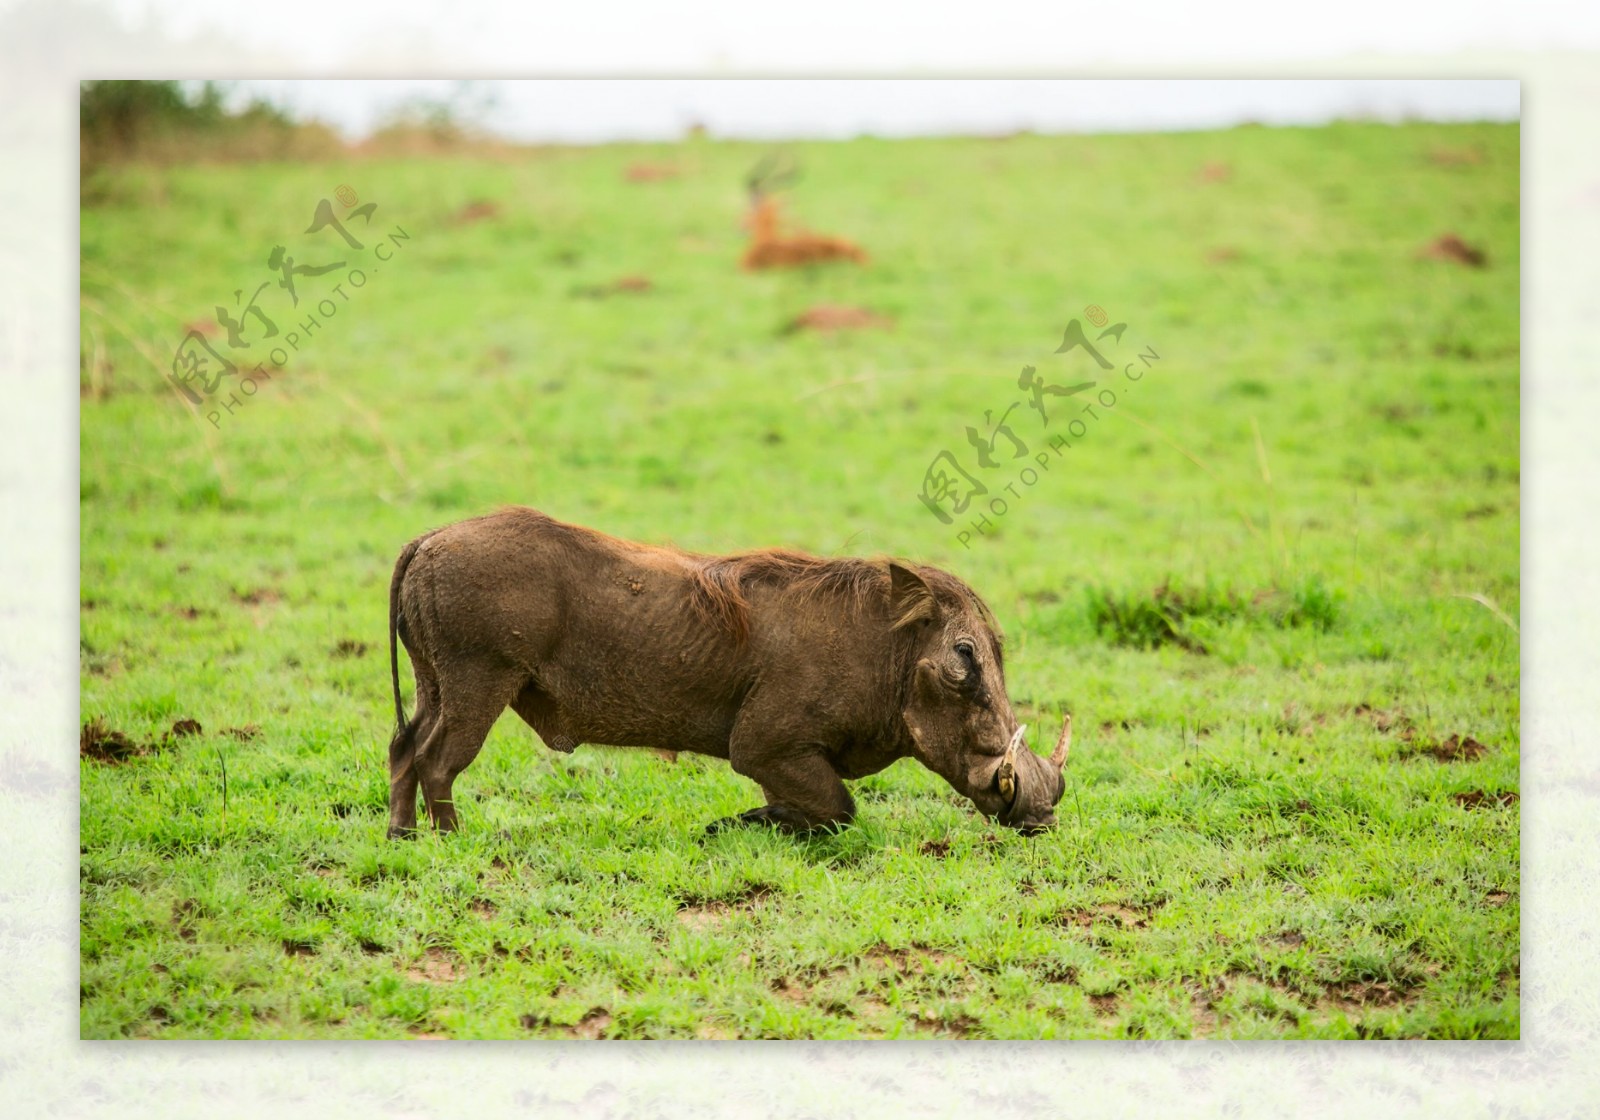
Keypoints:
pixel 719 583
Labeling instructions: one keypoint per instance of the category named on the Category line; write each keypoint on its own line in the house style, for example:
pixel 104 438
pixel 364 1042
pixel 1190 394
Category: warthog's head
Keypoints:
pixel 956 708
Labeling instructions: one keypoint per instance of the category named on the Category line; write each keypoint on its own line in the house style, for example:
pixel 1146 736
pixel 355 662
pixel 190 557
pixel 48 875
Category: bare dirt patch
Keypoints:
pixel 259 596
pixel 183 914
pixel 1457 157
pixel 1231 981
pixel 938 849
pixel 815 985
pixel 1057 973
pixel 348 647
pixel 1387 720
pixel 1477 799
pixel 478 210
pixel 791 990
pixel 1355 996
pixel 101 665
pixel 871 1007
pixel 99 742
pixel 1449 247
pixel 829 317
pixel 621 286
pixel 299 947
pixel 956 1026
pixel 1202 1013
pixel 483 908
pixel 650 172
pixel 1124 917
pixel 1457 748
pixel 1111 727
pixel 185 727
pixel 594 1024
pixel 1206 999
pixel 437 966
pixel 244 734
pixel 706 913
pixel 913 961
pixel 1215 172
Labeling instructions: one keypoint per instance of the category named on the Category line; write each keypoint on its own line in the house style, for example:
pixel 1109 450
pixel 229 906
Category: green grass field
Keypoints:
pixel 1274 583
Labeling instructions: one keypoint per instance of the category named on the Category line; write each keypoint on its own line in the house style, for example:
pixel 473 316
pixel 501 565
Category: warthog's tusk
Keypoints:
pixel 1058 757
pixel 1016 741
pixel 1007 775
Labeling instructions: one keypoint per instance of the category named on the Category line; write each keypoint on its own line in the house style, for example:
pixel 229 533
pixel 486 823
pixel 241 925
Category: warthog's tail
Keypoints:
pixel 400 566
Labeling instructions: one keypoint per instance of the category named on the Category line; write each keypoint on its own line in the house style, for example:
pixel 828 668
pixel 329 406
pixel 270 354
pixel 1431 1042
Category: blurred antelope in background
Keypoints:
pixel 769 247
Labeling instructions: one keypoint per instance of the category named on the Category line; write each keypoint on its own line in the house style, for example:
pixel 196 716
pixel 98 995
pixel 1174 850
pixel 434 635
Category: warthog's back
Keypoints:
pixel 605 630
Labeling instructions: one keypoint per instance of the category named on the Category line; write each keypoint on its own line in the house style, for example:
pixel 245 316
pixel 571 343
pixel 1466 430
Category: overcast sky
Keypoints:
pixel 589 111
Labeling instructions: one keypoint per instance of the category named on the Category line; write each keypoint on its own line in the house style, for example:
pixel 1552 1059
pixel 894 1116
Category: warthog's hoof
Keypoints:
pixel 398 832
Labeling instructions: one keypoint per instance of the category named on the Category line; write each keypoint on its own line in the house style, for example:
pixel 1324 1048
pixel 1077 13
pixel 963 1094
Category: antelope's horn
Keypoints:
pixel 761 172
pixel 1058 757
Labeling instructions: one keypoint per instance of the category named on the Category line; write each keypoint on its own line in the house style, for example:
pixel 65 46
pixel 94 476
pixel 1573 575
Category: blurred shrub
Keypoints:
pixel 166 122
pixel 1162 617
pixel 1186 616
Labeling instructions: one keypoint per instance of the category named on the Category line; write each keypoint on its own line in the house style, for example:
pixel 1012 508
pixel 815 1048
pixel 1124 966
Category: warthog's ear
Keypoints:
pixel 910 600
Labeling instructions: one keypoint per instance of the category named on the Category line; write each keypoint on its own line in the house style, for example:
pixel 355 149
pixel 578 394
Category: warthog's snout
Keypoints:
pixel 1029 786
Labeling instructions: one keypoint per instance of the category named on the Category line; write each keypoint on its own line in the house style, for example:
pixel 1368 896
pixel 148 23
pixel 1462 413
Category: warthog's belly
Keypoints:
pixel 664 725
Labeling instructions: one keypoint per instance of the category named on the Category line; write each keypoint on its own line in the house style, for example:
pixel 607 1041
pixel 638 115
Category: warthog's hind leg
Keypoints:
pixel 403 775
pixel 469 704
pixel 403 753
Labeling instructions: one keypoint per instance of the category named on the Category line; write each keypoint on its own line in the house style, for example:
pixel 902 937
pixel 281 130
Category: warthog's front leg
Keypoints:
pixel 804 792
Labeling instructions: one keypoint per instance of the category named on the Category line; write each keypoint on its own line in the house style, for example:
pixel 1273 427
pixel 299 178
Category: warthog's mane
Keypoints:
pixel 719 584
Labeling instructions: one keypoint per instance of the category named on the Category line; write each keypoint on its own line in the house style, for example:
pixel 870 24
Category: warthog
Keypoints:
pixel 800 671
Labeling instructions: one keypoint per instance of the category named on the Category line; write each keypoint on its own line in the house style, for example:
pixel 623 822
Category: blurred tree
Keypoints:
pixel 160 121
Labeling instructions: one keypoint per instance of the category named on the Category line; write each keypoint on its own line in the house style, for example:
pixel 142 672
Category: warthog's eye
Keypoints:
pixel 967 654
